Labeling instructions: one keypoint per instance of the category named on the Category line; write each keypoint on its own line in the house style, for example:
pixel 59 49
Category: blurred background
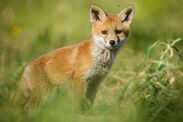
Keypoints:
pixel 29 28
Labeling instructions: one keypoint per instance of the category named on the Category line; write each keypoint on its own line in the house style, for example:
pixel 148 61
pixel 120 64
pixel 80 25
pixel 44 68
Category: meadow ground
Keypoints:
pixel 146 80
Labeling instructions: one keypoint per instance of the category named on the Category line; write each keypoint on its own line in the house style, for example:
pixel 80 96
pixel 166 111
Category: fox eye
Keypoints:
pixel 118 31
pixel 104 32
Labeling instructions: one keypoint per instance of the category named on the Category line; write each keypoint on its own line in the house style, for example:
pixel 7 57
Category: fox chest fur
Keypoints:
pixel 103 59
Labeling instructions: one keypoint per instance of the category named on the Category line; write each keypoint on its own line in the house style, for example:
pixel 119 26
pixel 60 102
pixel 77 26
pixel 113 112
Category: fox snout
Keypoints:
pixel 112 42
pixel 115 43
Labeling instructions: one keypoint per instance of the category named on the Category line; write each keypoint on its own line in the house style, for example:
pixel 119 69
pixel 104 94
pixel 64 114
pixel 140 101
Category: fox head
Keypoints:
pixel 111 30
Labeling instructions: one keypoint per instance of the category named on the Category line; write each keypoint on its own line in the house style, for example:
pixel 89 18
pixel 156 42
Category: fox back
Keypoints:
pixel 86 63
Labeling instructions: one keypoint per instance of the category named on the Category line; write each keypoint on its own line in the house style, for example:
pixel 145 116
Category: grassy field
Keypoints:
pixel 146 80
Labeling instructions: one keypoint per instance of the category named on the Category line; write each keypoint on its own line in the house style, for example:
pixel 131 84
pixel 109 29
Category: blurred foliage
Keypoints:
pixel 29 28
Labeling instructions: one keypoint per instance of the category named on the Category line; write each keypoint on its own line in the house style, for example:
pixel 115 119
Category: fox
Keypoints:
pixel 86 63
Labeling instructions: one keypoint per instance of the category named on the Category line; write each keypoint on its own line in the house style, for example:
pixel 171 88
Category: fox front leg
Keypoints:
pixel 91 88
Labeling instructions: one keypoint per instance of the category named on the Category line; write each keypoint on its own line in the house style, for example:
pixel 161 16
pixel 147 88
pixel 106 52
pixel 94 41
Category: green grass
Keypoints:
pixel 145 83
pixel 151 92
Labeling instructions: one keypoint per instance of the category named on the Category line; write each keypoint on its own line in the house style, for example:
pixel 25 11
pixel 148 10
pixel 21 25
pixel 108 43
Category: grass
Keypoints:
pixel 151 93
pixel 145 83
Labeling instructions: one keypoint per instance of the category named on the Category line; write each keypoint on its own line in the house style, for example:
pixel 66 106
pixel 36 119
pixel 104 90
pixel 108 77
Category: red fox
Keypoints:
pixel 86 63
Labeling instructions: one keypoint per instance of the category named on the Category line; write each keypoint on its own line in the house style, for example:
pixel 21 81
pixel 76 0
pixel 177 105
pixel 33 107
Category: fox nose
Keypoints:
pixel 112 42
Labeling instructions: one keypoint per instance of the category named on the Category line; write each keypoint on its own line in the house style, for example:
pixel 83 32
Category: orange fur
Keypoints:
pixel 85 63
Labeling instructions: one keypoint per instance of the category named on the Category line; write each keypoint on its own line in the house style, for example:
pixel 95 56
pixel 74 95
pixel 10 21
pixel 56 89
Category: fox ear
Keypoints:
pixel 127 14
pixel 96 13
